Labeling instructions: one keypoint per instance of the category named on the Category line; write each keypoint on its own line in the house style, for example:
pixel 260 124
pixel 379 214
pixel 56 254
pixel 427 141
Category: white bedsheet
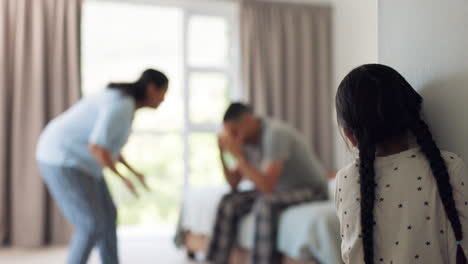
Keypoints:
pixel 305 231
pixel 199 210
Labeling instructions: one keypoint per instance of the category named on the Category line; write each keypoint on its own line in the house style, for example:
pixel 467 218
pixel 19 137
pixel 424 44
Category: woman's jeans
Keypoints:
pixel 86 202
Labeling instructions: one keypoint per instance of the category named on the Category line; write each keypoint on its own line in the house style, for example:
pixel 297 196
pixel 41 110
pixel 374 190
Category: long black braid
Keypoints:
pixel 440 172
pixel 367 183
pixel 375 104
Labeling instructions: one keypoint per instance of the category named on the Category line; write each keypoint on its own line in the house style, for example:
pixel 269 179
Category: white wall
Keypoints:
pixel 355 43
pixel 427 41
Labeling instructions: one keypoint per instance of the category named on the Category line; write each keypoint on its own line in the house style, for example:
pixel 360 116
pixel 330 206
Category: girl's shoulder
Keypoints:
pixel 450 157
pixel 347 187
pixel 352 169
pixel 347 179
pixel 455 164
pixel 418 159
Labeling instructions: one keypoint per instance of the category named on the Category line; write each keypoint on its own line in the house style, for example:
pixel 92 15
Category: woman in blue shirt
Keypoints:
pixel 74 148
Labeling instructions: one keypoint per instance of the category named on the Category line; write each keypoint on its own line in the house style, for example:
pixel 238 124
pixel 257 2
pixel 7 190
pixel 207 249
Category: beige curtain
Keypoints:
pixel 286 66
pixel 39 78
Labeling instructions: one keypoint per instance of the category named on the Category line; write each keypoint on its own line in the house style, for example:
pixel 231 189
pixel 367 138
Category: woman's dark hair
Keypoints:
pixel 376 104
pixel 137 89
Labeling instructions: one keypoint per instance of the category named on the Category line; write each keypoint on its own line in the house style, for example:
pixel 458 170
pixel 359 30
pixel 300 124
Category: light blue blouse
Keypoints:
pixel 104 118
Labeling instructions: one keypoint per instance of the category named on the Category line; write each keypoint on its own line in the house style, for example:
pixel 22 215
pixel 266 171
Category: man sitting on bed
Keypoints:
pixel 273 156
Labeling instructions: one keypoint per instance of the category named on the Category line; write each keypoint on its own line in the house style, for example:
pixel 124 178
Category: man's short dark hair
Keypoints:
pixel 236 111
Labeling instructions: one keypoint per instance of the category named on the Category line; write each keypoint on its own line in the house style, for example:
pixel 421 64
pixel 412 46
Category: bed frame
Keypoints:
pixel 195 243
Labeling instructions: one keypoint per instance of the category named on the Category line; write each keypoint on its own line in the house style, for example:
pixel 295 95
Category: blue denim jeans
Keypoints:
pixel 86 203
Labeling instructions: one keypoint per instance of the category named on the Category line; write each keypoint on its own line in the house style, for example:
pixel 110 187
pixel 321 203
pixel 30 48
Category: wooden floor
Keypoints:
pixel 142 247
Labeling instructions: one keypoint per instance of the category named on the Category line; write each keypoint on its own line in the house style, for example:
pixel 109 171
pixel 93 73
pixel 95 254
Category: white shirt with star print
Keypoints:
pixel 411 224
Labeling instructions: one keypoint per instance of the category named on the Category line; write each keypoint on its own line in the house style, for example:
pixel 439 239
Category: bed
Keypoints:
pixel 308 233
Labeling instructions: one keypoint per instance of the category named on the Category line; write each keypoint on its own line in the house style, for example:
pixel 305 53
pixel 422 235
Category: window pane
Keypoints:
pixel 209 97
pixel 160 159
pixel 208 38
pixel 118 47
pixel 205 166
pixel 168 117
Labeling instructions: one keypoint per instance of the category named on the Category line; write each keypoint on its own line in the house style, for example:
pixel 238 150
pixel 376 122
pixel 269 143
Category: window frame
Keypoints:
pixel 231 71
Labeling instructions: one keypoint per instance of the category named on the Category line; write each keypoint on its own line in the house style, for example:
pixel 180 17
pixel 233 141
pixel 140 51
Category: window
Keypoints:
pixel 174 146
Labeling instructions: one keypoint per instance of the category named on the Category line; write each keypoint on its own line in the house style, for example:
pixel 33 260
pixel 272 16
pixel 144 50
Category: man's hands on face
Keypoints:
pixel 228 142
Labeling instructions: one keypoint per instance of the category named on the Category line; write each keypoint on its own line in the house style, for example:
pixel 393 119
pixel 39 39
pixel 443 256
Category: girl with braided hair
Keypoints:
pixel 403 200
